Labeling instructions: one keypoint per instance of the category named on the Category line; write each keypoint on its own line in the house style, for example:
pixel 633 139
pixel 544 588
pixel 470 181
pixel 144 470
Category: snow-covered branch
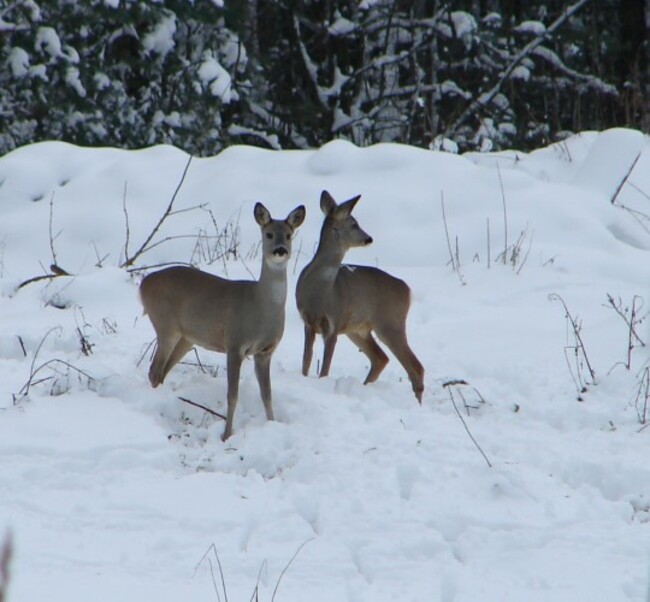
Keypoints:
pixel 484 99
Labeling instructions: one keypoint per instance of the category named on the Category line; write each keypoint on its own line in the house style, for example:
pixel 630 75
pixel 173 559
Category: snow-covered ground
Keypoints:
pixel 115 491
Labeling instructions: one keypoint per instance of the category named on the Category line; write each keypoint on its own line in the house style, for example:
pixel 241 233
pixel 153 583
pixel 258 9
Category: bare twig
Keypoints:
pixel 455 263
pixel 454 383
pixel 153 266
pixel 522 260
pixel 488 244
pixel 38 350
pixel 128 261
pixel 86 345
pixel 100 260
pixel 22 345
pixel 457 383
pixel 55 269
pixel 580 385
pixel 84 342
pixel 255 597
pixel 643 395
pixel 186 209
pixel 54 261
pixel 632 320
pixel 297 254
pixel 127 227
pixel 640 190
pixel 286 568
pixel 514 254
pixel 643 219
pixel 144 353
pixel 212 550
pixel 505 216
pixel 56 272
pixel 625 179
pixel 222 245
pixel 243 262
pixel 166 239
pixel 578 347
pixel 206 558
pixel 24 391
pixel 202 407
pixel 212 370
pixel 34 370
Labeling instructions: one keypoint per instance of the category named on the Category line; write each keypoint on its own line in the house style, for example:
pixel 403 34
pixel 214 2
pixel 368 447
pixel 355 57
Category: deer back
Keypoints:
pixel 202 308
pixel 364 298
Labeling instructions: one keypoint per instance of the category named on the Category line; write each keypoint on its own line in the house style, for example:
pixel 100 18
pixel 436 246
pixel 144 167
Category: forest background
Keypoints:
pixel 206 74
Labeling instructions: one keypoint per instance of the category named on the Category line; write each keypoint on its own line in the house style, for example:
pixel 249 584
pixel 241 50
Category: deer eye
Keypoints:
pixel 269 235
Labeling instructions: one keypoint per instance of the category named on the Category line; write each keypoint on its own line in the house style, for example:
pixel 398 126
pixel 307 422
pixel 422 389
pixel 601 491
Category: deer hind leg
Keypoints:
pixel 378 359
pixel 328 353
pixel 395 340
pixel 165 346
pixel 181 348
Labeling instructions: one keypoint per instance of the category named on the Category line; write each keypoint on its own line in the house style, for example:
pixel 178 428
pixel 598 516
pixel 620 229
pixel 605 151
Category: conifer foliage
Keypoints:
pixel 203 74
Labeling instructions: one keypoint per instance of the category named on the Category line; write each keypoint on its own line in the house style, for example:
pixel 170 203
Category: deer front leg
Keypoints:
pixel 233 363
pixel 263 374
pixel 310 336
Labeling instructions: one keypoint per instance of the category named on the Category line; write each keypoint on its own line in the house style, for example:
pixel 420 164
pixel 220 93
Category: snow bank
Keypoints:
pixel 118 491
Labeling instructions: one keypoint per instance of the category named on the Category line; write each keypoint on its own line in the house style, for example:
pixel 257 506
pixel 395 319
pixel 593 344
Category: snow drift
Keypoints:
pixel 117 491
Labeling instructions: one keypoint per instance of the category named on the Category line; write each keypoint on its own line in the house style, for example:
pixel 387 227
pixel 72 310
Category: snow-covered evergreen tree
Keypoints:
pixel 127 73
pixel 203 74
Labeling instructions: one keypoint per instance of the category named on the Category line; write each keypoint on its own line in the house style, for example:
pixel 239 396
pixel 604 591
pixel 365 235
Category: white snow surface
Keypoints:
pixel 113 490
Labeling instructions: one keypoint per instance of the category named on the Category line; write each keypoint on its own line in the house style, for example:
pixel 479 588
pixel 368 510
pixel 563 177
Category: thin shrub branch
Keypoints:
pixel 454 260
pixel 578 348
pixel 449 385
pixel 129 260
pixel 625 178
pixel 629 315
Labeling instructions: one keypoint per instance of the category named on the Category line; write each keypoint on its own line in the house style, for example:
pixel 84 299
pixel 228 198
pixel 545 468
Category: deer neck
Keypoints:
pixel 272 284
pixel 328 258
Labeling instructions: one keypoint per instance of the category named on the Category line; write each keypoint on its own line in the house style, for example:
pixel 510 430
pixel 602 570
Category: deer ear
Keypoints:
pixel 262 215
pixel 327 203
pixel 296 217
pixel 344 209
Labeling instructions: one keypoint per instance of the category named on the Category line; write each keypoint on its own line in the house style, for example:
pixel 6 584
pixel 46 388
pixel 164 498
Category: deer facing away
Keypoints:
pixel 189 307
pixel 355 300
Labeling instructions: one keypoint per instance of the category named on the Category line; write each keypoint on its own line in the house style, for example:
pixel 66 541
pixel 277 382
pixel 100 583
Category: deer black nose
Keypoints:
pixel 281 251
pixel 369 240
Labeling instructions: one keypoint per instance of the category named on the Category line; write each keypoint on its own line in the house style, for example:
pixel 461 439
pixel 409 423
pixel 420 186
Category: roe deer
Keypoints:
pixel 189 307
pixel 354 300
